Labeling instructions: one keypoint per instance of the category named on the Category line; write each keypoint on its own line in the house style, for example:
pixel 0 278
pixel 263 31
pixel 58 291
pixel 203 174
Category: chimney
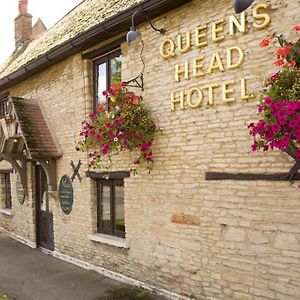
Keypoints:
pixel 23 25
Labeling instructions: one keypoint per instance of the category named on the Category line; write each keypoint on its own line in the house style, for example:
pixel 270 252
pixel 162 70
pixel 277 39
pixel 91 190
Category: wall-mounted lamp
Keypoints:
pixel 241 5
pixel 133 33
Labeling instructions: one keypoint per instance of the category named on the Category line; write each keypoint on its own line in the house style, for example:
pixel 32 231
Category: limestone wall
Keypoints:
pixel 202 239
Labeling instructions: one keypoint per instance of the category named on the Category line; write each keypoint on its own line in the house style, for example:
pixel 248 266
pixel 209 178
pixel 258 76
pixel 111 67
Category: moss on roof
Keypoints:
pixel 84 16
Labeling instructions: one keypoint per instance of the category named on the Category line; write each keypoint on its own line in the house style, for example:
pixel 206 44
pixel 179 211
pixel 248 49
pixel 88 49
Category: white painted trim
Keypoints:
pixel 24 241
pixel 6 211
pixel 107 239
pixel 114 275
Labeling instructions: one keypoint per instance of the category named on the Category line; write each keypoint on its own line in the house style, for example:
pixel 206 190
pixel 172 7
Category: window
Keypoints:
pixel 107 72
pixel 6 191
pixel 110 207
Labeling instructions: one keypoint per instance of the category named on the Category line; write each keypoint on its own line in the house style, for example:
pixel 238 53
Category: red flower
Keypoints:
pixel 100 108
pixel 297 28
pixel 135 100
pixel 283 52
pixel 292 63
pixel 265 43
pixel 288 48
pixel 279 62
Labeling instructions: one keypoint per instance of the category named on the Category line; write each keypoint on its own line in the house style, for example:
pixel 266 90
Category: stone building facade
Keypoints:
pixel 187 237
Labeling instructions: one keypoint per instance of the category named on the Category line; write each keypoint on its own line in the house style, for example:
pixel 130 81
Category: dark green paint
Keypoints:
pixel 65 193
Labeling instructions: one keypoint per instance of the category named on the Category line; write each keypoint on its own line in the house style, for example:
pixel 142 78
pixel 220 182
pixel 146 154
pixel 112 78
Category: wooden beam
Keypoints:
pixel 108 175
pixel 49 167
pixel 248 176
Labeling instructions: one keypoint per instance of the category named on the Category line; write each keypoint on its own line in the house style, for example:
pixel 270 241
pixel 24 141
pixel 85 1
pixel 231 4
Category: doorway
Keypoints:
pixel 44 217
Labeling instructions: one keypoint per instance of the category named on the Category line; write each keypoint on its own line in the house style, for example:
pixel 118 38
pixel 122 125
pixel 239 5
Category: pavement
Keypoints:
pixel 29 274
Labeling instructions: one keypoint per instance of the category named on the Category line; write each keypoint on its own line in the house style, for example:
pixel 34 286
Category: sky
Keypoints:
pixel 50 11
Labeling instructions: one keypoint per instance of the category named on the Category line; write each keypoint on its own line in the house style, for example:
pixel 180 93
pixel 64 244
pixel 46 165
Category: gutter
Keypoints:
pixel 99 33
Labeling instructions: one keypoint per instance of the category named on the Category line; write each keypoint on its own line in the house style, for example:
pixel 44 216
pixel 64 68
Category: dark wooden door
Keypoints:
pixel 44 217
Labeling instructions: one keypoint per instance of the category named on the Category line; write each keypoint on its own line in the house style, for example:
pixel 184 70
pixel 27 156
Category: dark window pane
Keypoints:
pixel 119 207
pixel 102 79
pixel 111 207
pixel 105 209
pixel 116 66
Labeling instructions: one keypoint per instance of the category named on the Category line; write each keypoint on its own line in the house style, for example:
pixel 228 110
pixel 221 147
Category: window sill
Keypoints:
pixel 107 239
pixel 6 211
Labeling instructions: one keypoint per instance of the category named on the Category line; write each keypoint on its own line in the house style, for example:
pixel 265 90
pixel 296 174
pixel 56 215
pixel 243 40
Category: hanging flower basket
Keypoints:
pixel 279 107
pixel 122 124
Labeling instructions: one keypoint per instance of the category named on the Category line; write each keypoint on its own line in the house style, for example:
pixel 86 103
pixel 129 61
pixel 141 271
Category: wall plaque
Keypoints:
pixel 65 193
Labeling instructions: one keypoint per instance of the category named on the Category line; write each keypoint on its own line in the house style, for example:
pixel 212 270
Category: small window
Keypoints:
pixel 107 72
pixel 110 207
pixel 6 191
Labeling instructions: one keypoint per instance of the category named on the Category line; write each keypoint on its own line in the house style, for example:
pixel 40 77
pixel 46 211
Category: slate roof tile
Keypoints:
pixel 84 16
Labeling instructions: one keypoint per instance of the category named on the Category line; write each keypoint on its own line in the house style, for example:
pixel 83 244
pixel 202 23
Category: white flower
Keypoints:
pixel 116 139
pixel 117 108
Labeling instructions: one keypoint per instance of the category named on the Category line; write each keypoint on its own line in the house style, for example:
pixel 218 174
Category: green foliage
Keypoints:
pixel 127 294
pixel 285 85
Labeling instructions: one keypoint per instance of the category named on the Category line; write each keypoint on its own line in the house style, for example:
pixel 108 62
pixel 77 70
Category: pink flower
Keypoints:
pixel 266 148
pixel 296 134
pixel 146 146
pixel 268 100
pixel 119 121
pixel 275 76
pixel 92 116
pixel 105 149
pixel 276 128
pixel 281 120
pixel 111 135
pixel 291 109
pixel 136 136
pixel 254 146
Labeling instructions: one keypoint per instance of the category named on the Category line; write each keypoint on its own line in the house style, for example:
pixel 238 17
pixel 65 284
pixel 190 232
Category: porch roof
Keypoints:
pixel 38 139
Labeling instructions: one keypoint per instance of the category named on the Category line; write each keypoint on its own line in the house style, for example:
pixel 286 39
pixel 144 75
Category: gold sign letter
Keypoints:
pixel 170 51
pixel 190 96
pixel 244 94
pixel 188 43
pixel 197 67
pixel 179 100
pixel 234 23
pixel 216 30
pixel 215 63
pixel 266 19
pixel 179 72
pixel 200 37
pixel 230 65
pixel 211 98
pixel 226 91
